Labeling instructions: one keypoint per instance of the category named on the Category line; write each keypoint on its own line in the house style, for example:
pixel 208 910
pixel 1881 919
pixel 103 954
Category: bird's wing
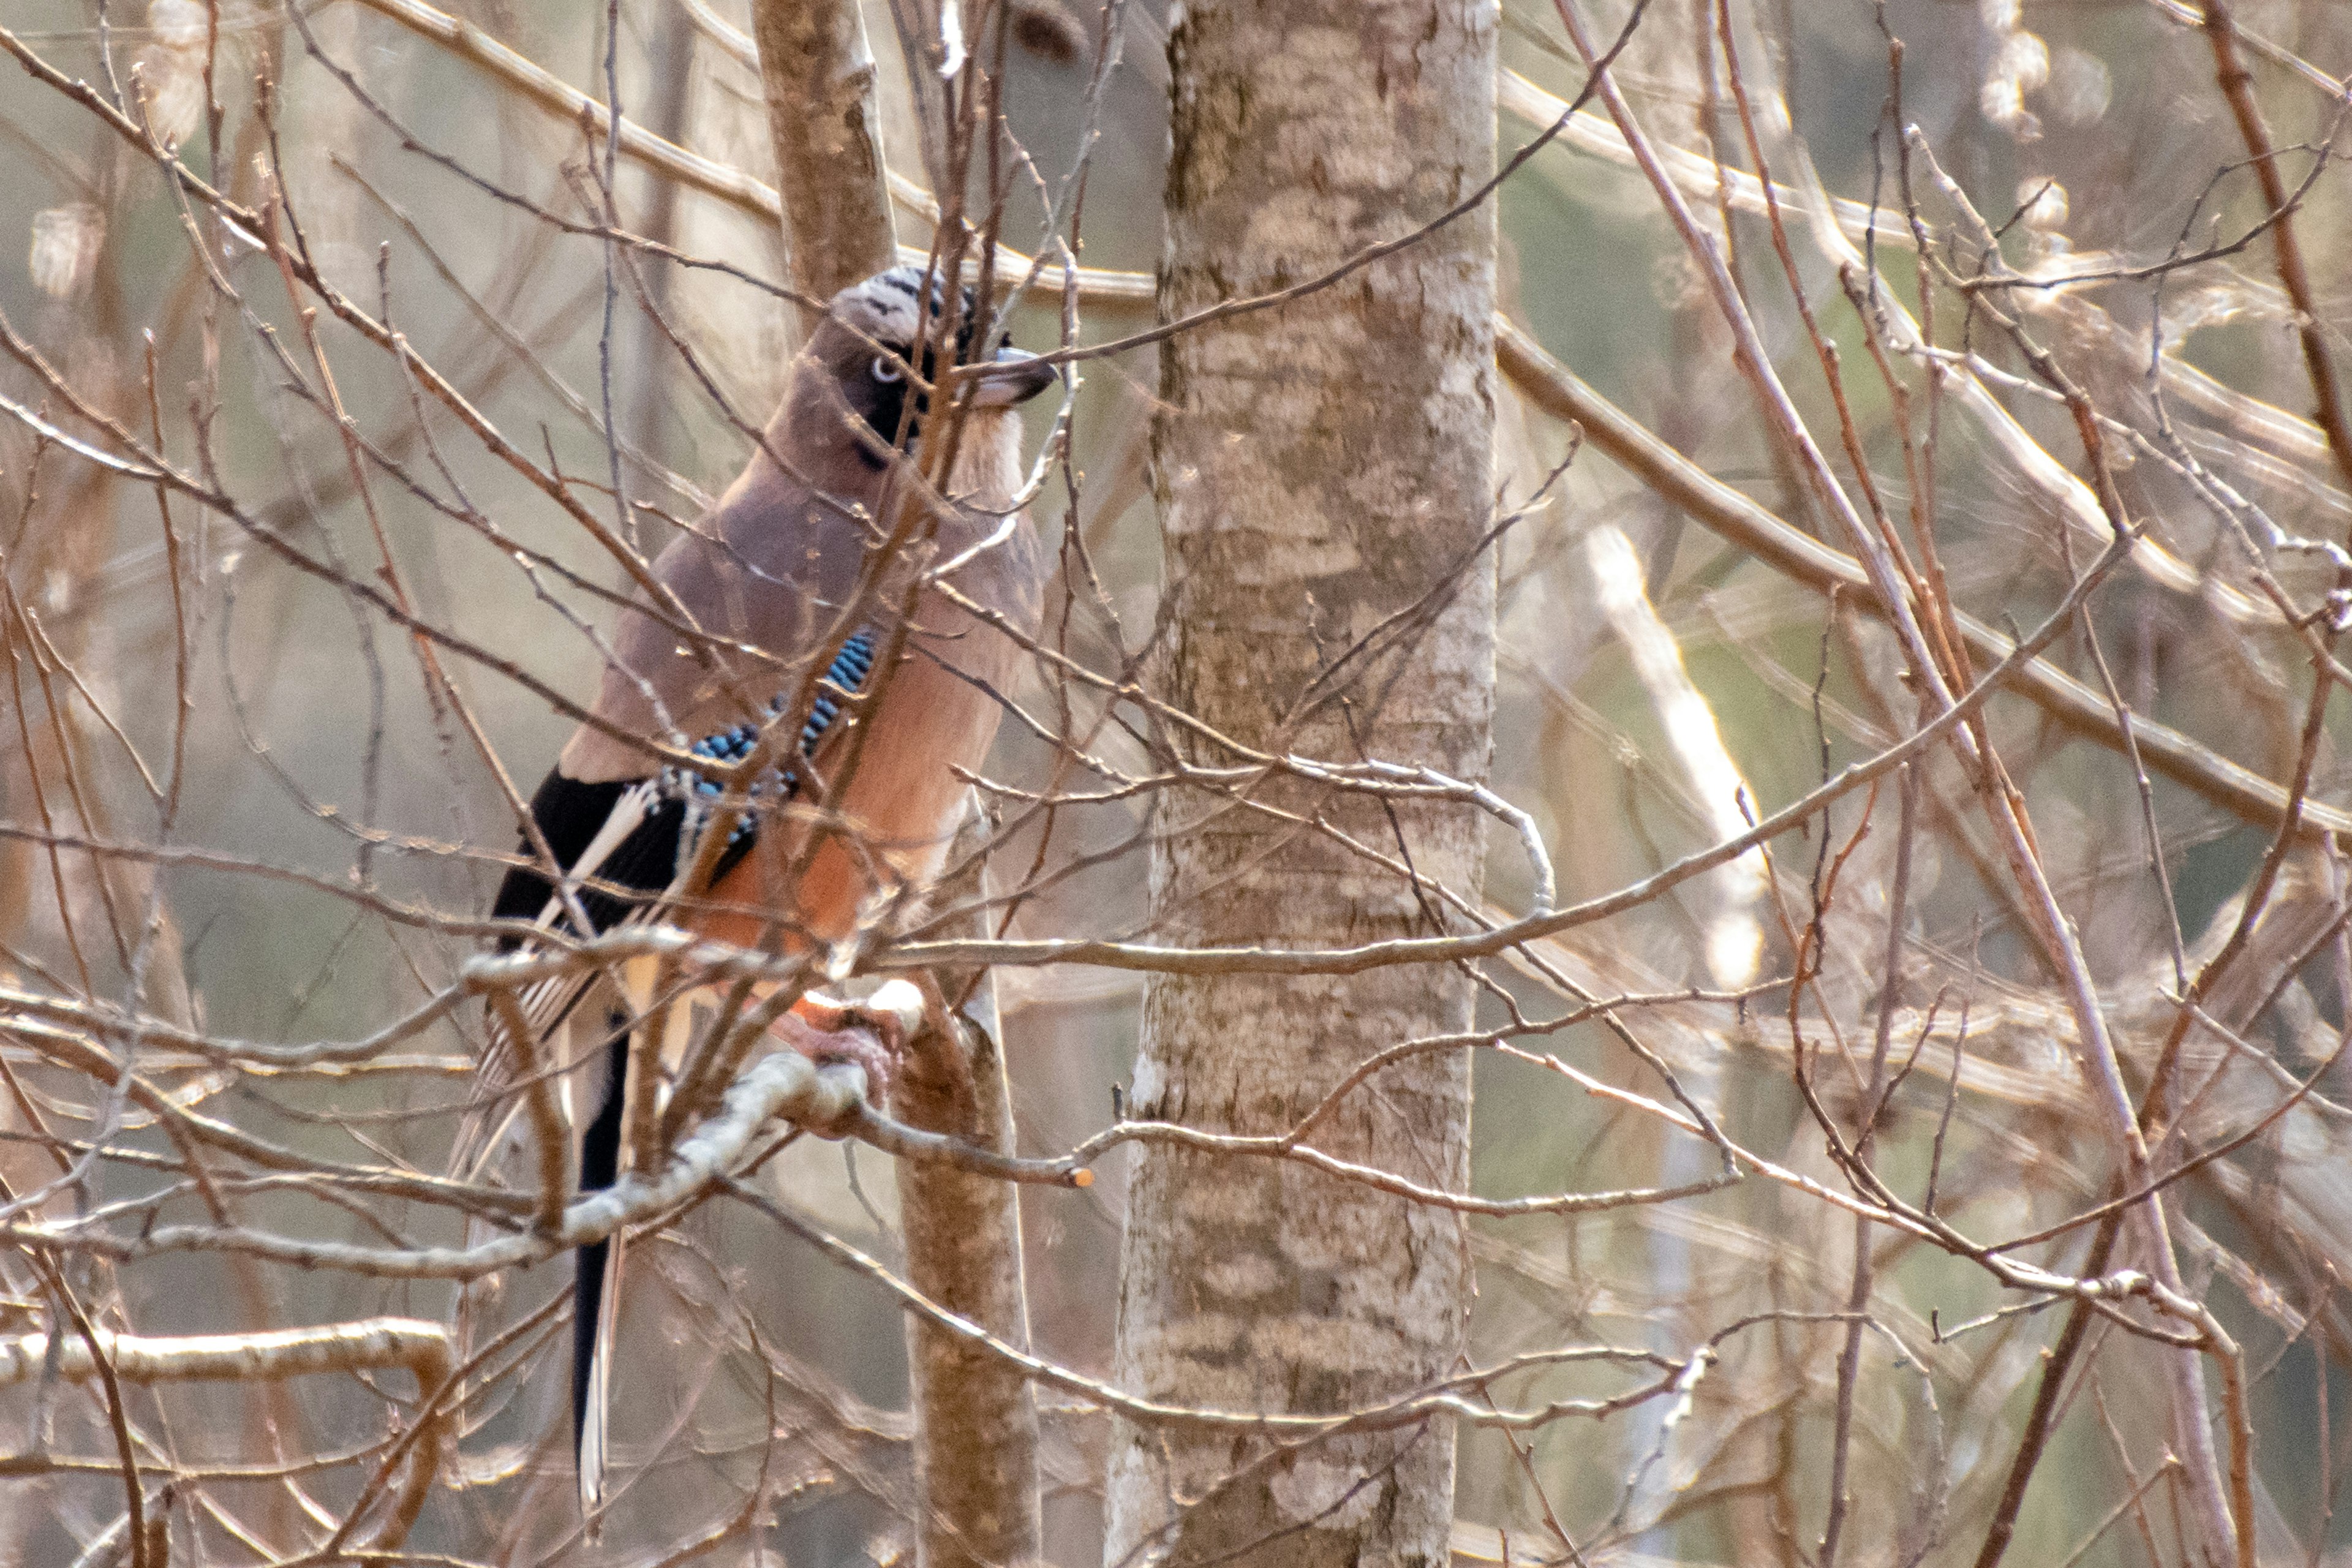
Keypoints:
pixel 624 844
pixel 767 574
pixel 766 577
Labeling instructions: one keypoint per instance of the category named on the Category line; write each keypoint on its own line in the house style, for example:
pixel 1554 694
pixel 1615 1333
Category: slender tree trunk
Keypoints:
pixel 976 1434
pixel 975 1421
pixel 976 1448
pixel 1324 474
pixel 670 58
pixel 819 75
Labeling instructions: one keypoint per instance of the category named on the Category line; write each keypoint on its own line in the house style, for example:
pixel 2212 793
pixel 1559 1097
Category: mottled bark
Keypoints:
pixel 1320 469
pixel 976 1429
pixel 819 76
pixel 975 1421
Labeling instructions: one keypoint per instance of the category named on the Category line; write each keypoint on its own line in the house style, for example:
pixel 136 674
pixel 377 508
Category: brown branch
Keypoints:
pixel 1557 390
pixel 422 1348
pixel 2237 84
pixel 726 184
pixel 2005 806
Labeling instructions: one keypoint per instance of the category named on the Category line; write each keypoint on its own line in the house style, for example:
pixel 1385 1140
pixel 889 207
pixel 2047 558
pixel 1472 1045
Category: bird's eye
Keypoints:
pixel 887 370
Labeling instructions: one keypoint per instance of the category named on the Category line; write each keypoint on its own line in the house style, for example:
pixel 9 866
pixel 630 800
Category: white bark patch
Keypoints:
pixel 1307 1485
pixel 1242 1276
pixel 950 39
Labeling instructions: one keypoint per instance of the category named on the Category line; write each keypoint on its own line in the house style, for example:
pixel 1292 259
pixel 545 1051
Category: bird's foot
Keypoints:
pixel 869 1033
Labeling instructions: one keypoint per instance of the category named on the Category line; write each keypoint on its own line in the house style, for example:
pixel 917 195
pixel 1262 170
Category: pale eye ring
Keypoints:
pixel 887 370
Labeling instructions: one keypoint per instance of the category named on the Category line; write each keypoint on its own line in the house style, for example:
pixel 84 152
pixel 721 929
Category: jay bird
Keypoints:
pixel 791 575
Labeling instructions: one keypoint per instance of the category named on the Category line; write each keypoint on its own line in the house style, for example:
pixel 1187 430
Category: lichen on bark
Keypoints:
pixel 1319 468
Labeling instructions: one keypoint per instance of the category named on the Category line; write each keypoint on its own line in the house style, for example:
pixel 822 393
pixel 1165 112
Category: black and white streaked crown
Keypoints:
pixel 887 308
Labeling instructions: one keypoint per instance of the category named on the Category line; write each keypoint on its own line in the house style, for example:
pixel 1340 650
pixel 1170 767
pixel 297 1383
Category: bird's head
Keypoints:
pixel 875 346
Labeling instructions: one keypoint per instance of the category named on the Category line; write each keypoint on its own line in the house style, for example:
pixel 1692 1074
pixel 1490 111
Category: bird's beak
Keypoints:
pixel 1016 376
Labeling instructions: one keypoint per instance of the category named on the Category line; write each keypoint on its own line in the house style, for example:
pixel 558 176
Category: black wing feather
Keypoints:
pixel 569 815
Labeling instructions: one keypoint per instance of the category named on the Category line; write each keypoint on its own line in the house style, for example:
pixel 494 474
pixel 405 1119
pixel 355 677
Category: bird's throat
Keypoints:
pixel 987 471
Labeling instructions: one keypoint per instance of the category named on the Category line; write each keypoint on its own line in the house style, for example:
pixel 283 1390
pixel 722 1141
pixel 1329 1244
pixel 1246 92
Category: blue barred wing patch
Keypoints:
pixel 641 867
pixel 700 791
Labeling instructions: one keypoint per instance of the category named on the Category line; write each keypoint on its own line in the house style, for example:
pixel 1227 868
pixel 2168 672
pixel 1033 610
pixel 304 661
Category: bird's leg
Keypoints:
pixel 870 1033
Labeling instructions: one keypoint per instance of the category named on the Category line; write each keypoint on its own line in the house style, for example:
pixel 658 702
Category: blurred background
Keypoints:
pixel 297 830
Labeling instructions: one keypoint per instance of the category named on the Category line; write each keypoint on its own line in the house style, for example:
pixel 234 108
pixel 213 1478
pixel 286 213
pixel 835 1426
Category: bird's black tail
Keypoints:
pixel 600 1152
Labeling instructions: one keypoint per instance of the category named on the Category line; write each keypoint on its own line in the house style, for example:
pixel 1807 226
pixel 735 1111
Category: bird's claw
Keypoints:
pixel 868 1033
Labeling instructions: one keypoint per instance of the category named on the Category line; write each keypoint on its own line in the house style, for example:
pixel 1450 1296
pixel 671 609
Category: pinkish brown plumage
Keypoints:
pixel 786 579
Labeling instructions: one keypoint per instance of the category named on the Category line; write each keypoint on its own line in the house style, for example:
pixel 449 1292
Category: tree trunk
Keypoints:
pixel 976 1439
pixel 976 1422
pixel 1320 467
pixel 819 76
